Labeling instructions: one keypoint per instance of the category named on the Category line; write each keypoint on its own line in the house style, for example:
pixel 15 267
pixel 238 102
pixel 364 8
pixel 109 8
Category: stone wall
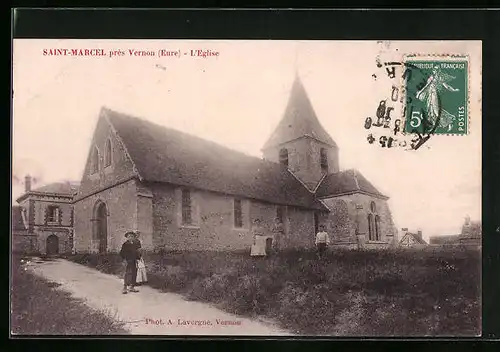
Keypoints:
pixel 122 207
pixel 63 235
pixel 128 202
pixel 41 206
pixel 121 167
pixel 346 220
pixel 341 221
pixel 300 229
pixel 145 216
pixel 304 159
pixel 212 226
pixel 37 242
pixel 24 243
pixel 214 221
pixel 39 226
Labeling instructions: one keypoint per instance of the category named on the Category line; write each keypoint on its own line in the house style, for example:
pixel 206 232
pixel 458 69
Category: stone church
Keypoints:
pixel 186 193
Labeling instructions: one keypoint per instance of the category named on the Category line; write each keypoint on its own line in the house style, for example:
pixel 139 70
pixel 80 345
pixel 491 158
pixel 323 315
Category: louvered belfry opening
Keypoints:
pixel 284 157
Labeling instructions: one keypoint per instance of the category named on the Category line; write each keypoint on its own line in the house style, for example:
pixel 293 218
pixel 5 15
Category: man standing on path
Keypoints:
pixel 322 240
pixel 130 254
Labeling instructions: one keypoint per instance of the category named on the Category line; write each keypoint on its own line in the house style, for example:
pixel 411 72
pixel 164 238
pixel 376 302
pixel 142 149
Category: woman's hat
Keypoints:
pixel 128 233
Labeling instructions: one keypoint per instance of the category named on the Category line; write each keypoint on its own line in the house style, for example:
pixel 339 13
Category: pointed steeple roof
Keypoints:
pixel 299 120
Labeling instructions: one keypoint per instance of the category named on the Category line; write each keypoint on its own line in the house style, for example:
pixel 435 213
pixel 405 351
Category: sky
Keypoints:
pixel 236 99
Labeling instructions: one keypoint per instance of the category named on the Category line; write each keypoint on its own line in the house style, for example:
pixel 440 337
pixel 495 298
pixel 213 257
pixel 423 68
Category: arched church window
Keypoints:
pixel 187 216
pixel 377 227
pixel 107 153
pixel 238 213
pixel 323 156
pixel 94 165
pixel 374 233
pixel 284 157
pixel 371 234
pixel 279 214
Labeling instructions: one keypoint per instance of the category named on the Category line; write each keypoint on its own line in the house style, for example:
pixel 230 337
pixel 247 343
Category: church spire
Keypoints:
pixel 299 120
pixel 300 143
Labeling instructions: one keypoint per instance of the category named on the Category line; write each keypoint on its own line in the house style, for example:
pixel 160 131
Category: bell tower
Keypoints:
pixel 300 142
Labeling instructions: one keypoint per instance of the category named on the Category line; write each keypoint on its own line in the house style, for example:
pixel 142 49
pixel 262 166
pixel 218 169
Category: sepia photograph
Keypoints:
pixel 246 188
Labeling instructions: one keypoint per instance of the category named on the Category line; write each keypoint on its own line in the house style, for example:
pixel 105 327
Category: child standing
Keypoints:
pixel 322 241
pixel 142 277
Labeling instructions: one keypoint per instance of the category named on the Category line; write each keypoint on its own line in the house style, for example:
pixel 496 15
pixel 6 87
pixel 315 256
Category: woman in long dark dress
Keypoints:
pixel 130 252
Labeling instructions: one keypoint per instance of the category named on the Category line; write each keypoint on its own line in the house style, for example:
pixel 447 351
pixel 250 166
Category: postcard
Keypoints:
pixel 246 188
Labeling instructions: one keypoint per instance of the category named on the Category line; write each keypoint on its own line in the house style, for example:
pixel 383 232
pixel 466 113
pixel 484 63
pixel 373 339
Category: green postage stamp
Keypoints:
pixel 437 94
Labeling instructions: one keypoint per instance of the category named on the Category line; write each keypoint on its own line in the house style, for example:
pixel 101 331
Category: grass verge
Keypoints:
pixel 39 308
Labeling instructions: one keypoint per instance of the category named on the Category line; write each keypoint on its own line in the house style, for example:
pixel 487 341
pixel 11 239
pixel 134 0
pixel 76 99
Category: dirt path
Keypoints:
pixel 148 312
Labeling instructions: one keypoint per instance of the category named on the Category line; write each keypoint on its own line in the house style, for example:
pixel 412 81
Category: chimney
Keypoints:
pixel 27 183
pixel 419 234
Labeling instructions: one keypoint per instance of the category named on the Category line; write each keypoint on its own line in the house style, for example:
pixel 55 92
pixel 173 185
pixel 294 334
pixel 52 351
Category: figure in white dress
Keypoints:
pixel 429 94
pixel 142 276
pixel 258 248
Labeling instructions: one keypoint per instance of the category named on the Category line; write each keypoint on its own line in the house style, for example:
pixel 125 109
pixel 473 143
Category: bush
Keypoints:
pixel 212 289
pixel 175 281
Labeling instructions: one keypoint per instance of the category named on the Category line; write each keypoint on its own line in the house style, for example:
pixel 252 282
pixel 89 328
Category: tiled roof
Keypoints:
pixel 416 237
pixel 299 120
pixel 63 188
pixel 345 182
pixel 161 154
pixel 17 219
pixel 66 189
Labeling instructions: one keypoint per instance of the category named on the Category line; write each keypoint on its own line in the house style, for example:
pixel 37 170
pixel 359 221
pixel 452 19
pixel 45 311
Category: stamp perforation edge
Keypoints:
pixel 440 55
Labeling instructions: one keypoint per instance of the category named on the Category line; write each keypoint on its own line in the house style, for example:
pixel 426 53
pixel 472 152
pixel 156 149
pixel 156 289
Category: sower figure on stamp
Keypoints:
pixel 429 94
pixel 322 241
pixel 130 252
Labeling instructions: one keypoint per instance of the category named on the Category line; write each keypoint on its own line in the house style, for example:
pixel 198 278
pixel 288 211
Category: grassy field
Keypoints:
pixel 433 292
pixel 37 308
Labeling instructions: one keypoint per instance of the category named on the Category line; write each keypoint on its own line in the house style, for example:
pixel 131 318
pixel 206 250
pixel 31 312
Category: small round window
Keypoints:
pixel 373 207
